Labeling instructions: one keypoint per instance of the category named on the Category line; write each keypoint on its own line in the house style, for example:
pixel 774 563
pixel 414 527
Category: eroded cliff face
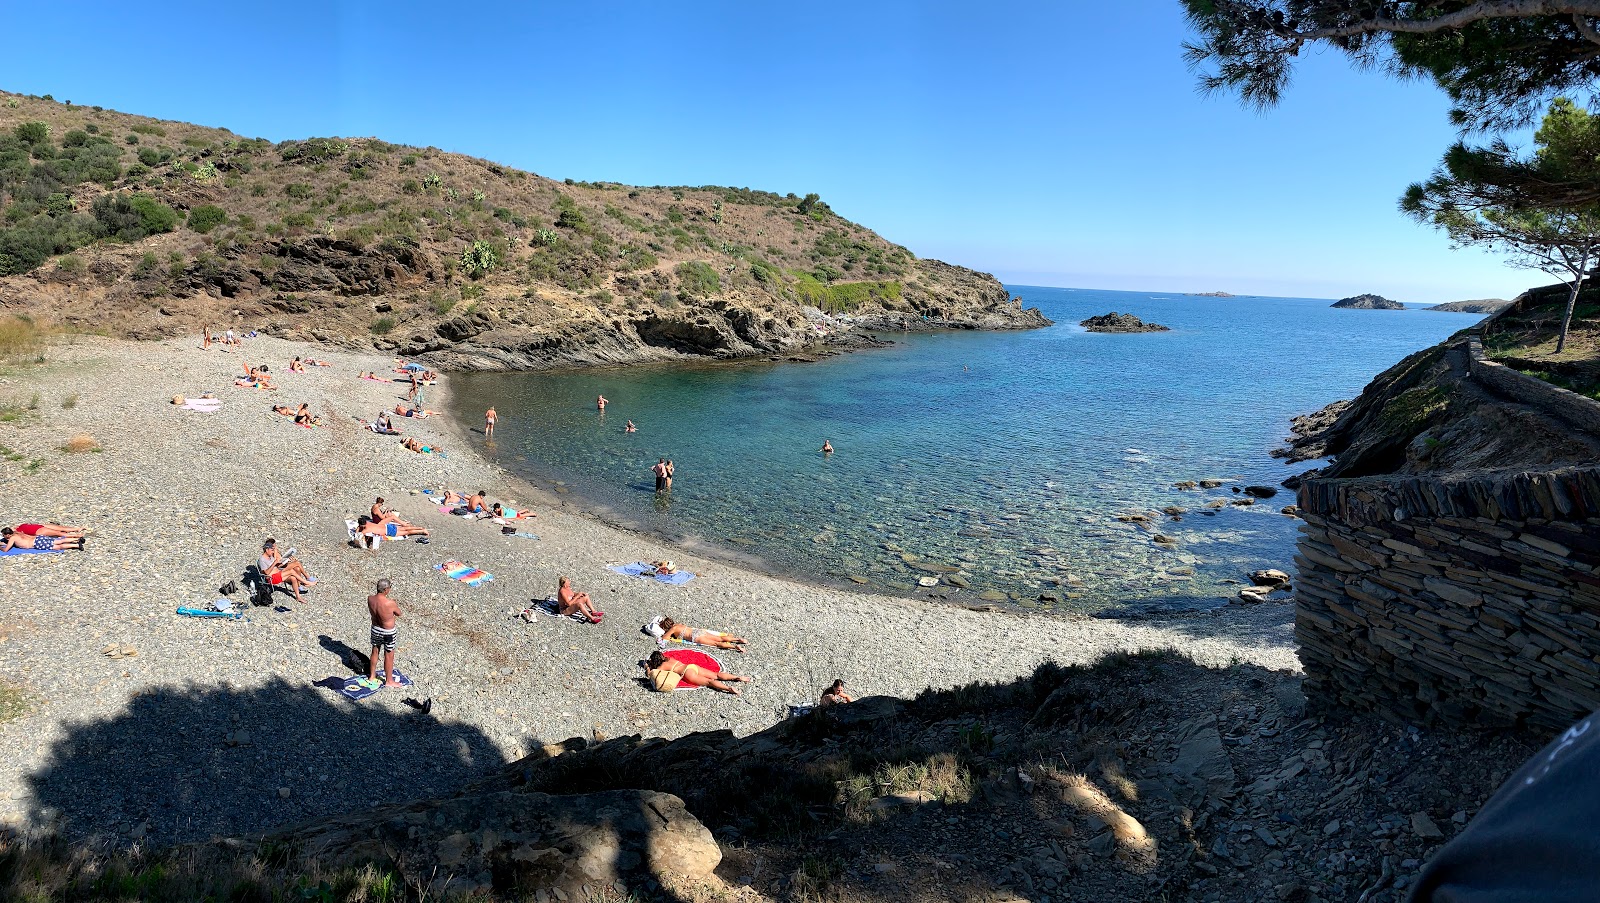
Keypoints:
pixel 458 262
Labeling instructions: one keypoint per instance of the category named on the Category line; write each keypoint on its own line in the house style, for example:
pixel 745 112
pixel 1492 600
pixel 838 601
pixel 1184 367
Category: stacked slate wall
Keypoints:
pixel 1457 600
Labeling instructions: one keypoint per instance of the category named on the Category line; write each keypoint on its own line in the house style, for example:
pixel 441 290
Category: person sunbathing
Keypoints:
pixel 418 413
pixel 572 603
pixel 279 569
pixel 683 633
pixel 295 366
pixel 421 449
pixel 388 528
pixel 835 695
pixel 283 409
pixel 510 513
pixel 666 674
pixel 313 362
pixel 52 530
pixel 16 539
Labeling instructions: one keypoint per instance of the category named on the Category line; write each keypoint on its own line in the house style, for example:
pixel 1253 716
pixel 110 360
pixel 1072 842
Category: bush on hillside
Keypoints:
pixel 479 259
pixel 314 150
pixel 697 279
pixel 130 217
pixel 32 132
pixel 206 217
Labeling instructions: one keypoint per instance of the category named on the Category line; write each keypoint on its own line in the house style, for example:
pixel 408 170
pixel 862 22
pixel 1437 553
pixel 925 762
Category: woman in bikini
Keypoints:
pixel 283 409
pixel 569 602
pixel 835 695
pixel 52 530
pixel 683 633
pixel 666 674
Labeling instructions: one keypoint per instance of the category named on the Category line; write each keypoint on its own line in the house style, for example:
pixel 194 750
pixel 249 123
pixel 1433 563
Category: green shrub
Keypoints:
pixel 70 264
pixel 32 132
pixel 411 186
pixel 382 325
pixel 75 138
pixel 149 156
pixel 299 221
pixel 131 139
pixel 131 217
pixel 298 190
pixel 314 150
pixel 156 130
pixel 698 279
pixel 479 259
pixel 206 217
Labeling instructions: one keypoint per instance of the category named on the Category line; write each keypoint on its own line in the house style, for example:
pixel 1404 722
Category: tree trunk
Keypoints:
pixel 1572 303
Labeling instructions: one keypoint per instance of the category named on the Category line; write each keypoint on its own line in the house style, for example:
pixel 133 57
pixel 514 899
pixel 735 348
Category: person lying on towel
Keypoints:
pixel 388 529
pixel 40 542
pixel 667 673
pixel 666 629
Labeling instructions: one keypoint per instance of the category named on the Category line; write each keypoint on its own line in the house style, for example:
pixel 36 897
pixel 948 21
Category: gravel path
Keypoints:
pixel 215 727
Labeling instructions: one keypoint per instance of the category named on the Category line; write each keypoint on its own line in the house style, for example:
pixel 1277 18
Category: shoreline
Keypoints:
pixel 179 502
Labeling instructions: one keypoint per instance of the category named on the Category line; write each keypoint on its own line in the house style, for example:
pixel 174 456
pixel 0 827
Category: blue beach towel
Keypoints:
pixel 209 613
pixel 640 569
pixel 9 552
pixel 359 687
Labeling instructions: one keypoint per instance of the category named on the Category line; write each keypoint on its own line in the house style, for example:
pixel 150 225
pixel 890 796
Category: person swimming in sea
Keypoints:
pixel 630 428
pixel 827 447
pixel 600 403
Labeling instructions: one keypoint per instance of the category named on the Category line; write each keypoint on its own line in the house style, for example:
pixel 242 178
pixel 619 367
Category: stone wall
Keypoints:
pixel 1454 600
pixel 1578 410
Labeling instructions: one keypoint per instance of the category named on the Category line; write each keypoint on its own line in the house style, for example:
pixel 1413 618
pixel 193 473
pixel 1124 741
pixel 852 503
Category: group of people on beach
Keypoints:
pixel 42 538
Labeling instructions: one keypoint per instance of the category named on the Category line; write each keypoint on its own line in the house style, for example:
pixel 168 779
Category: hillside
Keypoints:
pixel 1367 302
pixel 148 228
pixel 1478 306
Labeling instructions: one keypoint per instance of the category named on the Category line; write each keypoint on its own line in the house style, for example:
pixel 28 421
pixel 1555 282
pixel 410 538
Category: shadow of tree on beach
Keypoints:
pixel 181 765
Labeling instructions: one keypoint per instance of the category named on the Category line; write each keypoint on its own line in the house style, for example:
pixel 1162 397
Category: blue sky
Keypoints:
pixel 1048 143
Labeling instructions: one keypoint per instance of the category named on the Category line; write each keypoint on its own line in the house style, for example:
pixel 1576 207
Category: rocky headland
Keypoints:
pixel 1367 302
pixel 1210 295
pixel 156 228
pixel 1116 322
pixel 1479 306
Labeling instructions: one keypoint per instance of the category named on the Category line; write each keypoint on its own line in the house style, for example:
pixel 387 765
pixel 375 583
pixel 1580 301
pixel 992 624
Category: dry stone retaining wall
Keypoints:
pixel 1464 600
pixel 1578 410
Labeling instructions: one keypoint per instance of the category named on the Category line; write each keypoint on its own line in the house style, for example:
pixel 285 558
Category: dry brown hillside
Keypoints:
pixel 146 228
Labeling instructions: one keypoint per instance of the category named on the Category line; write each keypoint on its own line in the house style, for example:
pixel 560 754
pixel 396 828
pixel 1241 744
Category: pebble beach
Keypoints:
pixel 144 727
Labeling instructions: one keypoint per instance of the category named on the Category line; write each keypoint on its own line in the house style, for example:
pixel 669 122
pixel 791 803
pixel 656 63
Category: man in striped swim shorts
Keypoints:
pixel 385 612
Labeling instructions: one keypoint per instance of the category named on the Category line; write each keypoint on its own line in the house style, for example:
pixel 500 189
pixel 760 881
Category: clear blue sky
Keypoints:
pixel 1049 143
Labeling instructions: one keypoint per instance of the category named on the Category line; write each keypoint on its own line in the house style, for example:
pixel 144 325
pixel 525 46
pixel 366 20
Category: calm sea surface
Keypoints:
pixel 1007 456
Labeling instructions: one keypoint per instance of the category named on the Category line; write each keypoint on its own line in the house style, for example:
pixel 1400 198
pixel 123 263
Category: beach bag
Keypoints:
pixel 665 681
pixel 229 588
pixel 510 531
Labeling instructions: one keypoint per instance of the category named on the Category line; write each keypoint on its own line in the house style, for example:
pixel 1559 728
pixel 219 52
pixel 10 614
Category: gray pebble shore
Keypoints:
pixel 215 726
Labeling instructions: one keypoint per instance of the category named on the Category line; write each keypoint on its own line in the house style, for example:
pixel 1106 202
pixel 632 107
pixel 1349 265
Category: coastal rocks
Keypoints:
pixel 1367 302
pixel 538 841
pixel 1210 483
pixel 1477 306
pixel 1115 322
pixel 1270 577
pixel 1260 492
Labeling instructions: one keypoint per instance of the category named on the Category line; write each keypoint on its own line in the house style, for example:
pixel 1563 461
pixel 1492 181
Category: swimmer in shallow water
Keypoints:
pixel 827 447
pixel 630 428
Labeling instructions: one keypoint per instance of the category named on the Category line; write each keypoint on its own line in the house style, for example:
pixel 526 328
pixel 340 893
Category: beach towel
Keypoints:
pixel 376 379
pixel 463 572
pixel 360 687
pixel 203 405
pixel 693 657
pixel 521 535
pixel 551 608
pixel 641 569
pixel 209 613
pixel 353 529
pixel 8 553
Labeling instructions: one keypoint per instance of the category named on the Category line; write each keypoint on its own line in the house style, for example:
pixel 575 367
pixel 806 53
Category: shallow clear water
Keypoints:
pixel 1006 455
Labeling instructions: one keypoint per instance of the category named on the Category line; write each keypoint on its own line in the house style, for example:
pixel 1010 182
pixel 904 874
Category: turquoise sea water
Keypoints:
pixel 1007 456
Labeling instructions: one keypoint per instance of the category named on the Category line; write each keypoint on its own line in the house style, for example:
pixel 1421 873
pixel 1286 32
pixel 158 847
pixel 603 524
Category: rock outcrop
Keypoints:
pixel 1115 322
pixel 1367 302
pixel 1479 306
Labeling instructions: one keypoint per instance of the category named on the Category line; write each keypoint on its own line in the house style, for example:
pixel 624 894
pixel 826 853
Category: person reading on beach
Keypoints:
pixel 489 417
pixel 630 428
pixel 16 539
pixel 279 569
pixel 827 447
pixel 382 425
pixel 571 603
pixel 385 612
pixel 666 674
pixel 835 695
pixel 683 633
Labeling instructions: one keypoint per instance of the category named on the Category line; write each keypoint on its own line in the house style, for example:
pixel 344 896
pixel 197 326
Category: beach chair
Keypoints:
pixel 260 586
pixel 359 539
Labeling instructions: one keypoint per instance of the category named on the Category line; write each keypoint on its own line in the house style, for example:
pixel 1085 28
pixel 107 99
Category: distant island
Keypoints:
pixel 1115 322
pixel 1209 295
pixel 1368 302
pixel 1480 306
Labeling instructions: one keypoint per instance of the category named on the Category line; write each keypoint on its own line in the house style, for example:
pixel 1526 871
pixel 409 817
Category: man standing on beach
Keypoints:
pixel 384 613
pixel 489 417
pixel 660 470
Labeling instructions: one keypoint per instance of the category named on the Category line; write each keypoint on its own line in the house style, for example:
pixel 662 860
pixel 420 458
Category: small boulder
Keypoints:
pixel 1261 492
pixel 1269 577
